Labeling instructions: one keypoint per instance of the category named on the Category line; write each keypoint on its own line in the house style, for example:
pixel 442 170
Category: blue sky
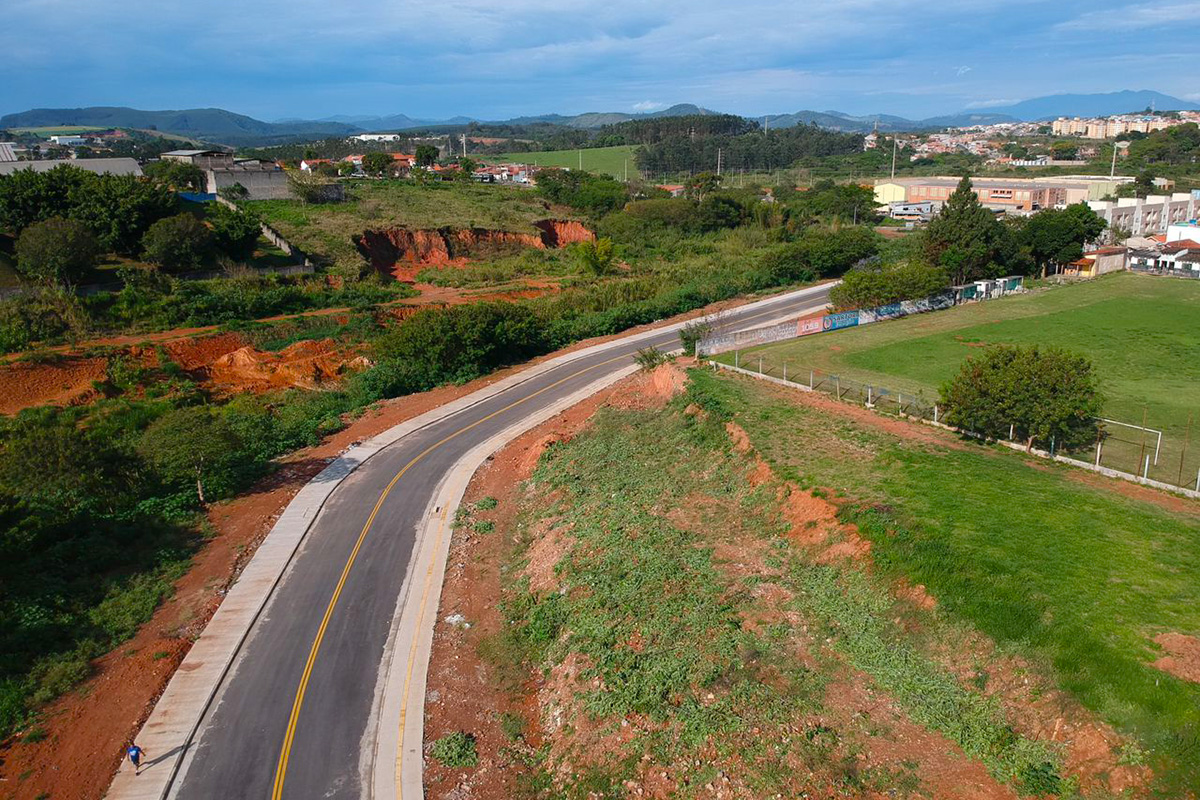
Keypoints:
pixel 492 59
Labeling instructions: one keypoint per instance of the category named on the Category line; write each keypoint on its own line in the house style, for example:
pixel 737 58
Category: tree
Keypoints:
pixel 426 155
pixel 177 243
pixel 378 163
pixel 234 192
pixel 596 256
pixel 234 232
pixel 192 444
pixel 1045 394
pixel 874 285
pixel 177 175
pixel 702 184
pixel 56 251
pixel 1055 237
pixel 966 239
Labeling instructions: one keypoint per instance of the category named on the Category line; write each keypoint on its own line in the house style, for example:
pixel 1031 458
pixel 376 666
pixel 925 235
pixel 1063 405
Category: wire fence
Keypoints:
pixel 1132 450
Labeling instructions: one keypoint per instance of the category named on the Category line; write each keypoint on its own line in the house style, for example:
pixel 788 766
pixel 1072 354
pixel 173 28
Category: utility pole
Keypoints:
pixel 581 159
pixel 718 161
pixel 895 147
pixel 1113 172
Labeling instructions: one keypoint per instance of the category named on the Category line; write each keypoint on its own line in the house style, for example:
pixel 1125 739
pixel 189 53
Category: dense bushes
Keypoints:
pixel 97 514
pixel 117 209
pixel 821 253
pixel 56 251
pixel 150 301
pixel 177 243
pixel 596 194
pixel 1046 395
pixel 874 285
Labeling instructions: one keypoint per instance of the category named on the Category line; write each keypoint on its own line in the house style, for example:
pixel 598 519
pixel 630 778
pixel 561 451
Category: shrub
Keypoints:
pixel 877 285
pixel 691 334
pixel 582 190
pixel 1044 393
pixel 192 445
pixel 650 358
pixel 439 345
pixel 56 251
pixel 456 750
pixel 177 243
pixel 596 256
pixel 234 232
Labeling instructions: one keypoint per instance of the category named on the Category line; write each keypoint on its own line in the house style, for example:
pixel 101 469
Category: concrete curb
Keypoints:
pixel 399 759
pixel 179 712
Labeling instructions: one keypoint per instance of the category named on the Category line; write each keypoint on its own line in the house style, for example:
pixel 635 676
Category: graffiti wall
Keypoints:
pixel 724 342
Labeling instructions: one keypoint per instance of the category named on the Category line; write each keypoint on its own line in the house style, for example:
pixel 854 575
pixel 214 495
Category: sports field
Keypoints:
pixel 612 160
pixel 1141 333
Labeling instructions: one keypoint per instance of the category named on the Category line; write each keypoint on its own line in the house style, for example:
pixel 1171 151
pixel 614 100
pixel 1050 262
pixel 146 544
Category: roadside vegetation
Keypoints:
pixel 705 630
pixel 107 534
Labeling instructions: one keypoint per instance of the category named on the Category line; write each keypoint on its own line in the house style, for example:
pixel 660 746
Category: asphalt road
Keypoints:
pixel 313 704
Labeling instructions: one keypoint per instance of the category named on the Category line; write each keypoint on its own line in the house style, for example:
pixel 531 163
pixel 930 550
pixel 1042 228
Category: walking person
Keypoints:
pixel 135 754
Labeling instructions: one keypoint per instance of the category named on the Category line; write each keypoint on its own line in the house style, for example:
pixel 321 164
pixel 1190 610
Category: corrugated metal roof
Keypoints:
pixel 110 166
pixel 6 152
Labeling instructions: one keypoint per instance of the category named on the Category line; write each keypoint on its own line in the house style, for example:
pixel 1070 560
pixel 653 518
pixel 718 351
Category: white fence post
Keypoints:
pixel 935 412
pixel 1099 445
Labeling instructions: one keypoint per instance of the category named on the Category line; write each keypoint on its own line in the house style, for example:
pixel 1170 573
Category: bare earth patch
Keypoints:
pixel 1182 657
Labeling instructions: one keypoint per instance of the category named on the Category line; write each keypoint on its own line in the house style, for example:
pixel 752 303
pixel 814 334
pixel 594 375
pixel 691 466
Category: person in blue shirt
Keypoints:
pixel 135 754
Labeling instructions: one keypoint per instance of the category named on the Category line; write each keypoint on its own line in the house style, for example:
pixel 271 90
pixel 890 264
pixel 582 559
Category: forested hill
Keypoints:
pixel 754 149
pixel 208 124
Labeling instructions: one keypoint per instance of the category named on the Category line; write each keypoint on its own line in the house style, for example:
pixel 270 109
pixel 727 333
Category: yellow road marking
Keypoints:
pixel 290 734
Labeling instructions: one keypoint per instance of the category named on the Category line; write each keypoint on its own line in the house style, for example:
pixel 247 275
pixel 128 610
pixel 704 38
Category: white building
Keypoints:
pixel 1148 216
pixel 377 137
pixel 68 141
pixel 1184 231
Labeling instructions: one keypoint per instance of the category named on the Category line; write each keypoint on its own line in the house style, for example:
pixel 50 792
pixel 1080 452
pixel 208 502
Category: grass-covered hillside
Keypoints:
pixel 689 619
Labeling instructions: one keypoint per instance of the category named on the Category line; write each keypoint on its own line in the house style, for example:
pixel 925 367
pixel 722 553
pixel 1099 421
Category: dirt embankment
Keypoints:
pixel 223 363
pixel 403 252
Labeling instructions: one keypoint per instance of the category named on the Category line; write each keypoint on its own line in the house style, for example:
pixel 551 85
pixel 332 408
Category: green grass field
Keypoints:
pixel 1078 579
pixel 1139 331
pixel 61 130
pixel 611 160
pixel 328 230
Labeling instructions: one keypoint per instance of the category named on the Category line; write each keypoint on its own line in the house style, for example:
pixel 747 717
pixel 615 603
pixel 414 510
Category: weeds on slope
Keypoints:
pixel 657 653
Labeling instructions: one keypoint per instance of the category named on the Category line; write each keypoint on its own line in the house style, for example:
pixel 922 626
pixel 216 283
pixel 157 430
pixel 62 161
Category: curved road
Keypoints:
pixel 299 714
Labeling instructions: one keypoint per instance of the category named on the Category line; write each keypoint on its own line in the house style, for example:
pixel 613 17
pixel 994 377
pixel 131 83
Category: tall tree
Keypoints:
pixel 426 154
pixel 966 239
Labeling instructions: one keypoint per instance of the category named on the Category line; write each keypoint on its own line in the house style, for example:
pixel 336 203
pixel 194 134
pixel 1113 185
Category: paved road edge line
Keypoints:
pixel 178 713
pixel 399 765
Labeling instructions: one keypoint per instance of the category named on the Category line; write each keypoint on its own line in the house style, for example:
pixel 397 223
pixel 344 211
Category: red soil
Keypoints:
pixel 88 728
pixel 403 252
pixel 1182 657
pixel 64 382
pixel 304 365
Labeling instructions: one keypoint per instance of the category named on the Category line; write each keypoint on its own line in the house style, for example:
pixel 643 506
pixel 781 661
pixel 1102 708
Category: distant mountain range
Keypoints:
pixel 226 127
pixel 207 124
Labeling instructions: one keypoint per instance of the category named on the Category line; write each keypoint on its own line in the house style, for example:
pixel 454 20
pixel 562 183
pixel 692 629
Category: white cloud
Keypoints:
pixel 648 105
pixel 1139 16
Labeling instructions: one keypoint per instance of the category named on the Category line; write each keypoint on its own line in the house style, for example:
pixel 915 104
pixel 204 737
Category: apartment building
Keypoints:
pixel 1018 195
